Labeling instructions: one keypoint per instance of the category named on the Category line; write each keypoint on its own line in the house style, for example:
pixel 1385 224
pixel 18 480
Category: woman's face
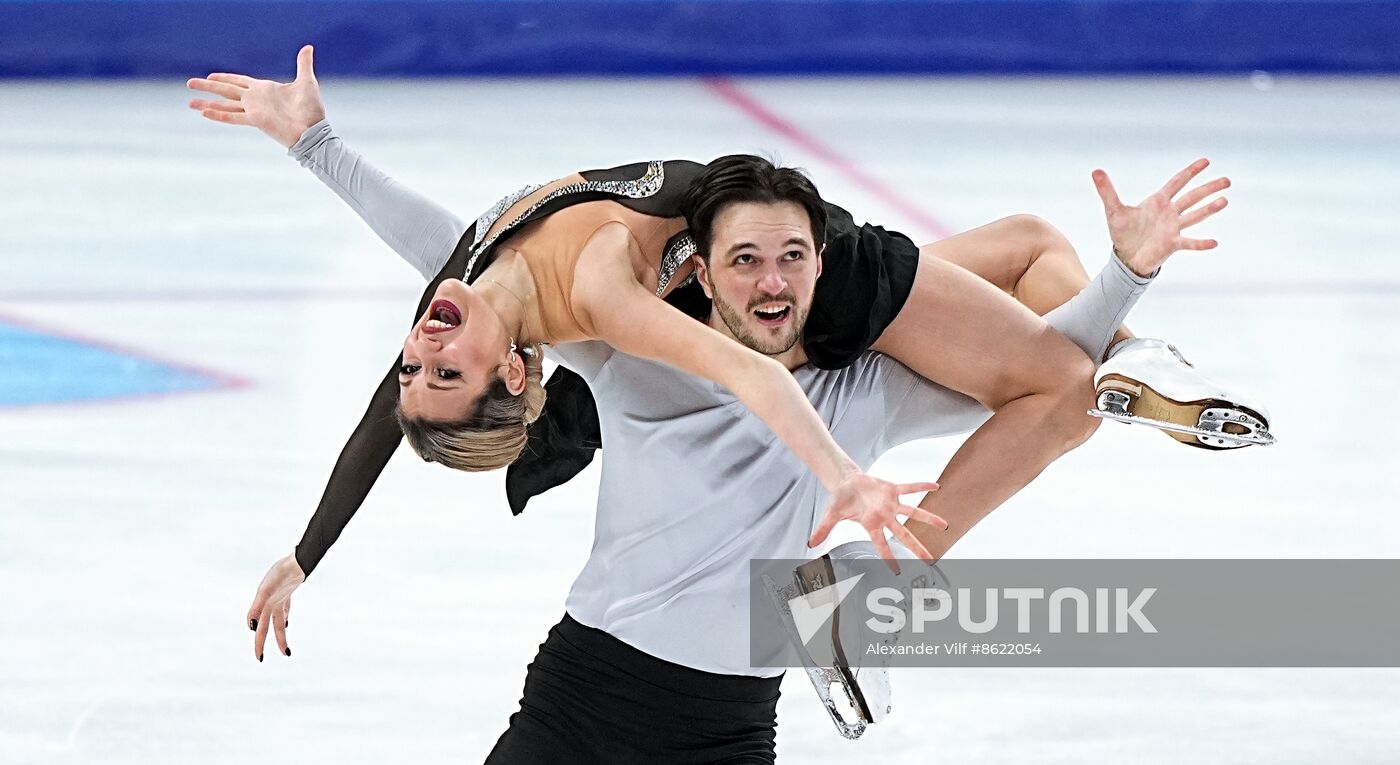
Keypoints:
pixel 452 354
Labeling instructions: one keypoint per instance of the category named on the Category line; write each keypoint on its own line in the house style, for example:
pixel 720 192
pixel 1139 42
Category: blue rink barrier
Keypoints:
pixel 160 38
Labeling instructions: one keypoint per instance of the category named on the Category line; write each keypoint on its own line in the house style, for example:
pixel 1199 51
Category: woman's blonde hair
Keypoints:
pixel 492 435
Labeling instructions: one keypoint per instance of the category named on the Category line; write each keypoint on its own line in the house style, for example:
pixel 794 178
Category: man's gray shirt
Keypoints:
pixel 693 487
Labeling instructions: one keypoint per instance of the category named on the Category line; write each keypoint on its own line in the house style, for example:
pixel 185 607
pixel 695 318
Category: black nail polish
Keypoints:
pixel 253 625
pixel 260 657
pixel 288 652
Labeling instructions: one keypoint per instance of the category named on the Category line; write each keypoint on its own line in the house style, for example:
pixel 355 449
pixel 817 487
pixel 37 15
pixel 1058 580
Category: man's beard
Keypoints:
pixel 768 345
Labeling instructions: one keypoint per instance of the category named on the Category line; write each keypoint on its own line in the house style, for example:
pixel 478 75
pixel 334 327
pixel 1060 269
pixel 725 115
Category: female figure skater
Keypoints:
pixel 586 257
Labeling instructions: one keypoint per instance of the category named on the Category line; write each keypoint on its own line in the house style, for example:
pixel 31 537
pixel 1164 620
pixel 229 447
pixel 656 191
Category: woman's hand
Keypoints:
pixel 282 110
pixel 1145 235
pixel 874 504
pixel 273 603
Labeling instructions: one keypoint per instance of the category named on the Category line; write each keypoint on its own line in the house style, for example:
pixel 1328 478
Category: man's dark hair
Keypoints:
pixel 747 178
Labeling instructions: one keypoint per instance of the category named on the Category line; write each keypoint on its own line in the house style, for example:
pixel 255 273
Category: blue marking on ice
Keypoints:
pixel 40 368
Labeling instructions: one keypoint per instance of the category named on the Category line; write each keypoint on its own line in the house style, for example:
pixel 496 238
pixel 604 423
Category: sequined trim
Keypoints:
pixel 645 186
pixel 674 257
pixel 489 218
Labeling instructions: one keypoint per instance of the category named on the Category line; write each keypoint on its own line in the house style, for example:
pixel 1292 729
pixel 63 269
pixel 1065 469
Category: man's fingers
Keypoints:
pixel 306 69
pixel 1107 193
pixel 1198 244
pixel 241 80
pixel 1196 216
pixel 924 516
pixel 910 488
pixel 1179 181
pixel 199 105
pixel 912 542
pixel 1194 196
pixel 232 118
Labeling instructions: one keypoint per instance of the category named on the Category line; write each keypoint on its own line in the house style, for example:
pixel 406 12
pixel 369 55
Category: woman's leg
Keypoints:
pixel 1025 257
pixel 959 330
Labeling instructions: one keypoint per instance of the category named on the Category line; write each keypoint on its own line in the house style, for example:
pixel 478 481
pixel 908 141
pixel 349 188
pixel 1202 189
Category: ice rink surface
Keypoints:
pixel 135 526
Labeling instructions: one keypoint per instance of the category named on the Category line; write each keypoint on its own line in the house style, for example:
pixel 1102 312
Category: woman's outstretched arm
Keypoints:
pixel 422 232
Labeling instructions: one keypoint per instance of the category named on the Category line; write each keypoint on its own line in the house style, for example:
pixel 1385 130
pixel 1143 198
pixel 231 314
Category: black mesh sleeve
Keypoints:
pixel 361 461
pixel 371 445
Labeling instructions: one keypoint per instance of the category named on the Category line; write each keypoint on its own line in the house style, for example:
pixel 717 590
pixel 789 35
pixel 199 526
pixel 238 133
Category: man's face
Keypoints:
pixel 763 269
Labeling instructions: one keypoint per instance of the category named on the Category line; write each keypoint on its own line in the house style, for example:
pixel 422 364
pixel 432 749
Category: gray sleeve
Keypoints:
pixel 1091 317
pixel 916 408
pixel 889 404
pixel 423 233
pixel 586 358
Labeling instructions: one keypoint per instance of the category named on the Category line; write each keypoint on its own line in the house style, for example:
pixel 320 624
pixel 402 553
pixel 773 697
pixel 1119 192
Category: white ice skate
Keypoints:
pixel 1148 382
pixel 837 584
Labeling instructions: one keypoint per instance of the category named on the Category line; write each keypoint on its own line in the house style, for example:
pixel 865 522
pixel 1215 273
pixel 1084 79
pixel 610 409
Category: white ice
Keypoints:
pixel 133 533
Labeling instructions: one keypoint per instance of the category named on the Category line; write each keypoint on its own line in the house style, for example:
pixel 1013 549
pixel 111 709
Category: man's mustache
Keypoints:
pixel 787 297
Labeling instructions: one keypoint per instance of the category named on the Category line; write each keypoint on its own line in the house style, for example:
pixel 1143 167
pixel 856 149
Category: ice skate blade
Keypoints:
pixel 823 678
pixel 1208 424
pixel 812 577
pixel 1230 440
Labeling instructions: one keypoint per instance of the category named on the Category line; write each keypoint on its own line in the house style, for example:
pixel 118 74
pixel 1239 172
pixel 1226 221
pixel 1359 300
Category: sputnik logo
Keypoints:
pixel 812 610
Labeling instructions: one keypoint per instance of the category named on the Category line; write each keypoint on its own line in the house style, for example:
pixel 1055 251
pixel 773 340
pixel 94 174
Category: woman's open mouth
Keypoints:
pixel 773 316
pixel 442 316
